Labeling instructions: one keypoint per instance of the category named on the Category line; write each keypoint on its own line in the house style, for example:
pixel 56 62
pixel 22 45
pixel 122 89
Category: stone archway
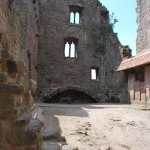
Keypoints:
pixel 49 93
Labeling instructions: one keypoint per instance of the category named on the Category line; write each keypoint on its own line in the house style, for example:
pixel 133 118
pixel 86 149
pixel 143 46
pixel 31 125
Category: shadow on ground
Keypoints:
pixel 78 112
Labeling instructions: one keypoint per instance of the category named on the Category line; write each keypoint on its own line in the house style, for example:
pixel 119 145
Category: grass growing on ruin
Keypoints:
pixel 99 34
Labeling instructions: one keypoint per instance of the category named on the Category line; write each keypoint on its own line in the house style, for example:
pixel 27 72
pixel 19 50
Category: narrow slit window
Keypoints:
pixel 72 17
pixel 67 49
pixel 77 18
pixel 72 50
pixel 94 74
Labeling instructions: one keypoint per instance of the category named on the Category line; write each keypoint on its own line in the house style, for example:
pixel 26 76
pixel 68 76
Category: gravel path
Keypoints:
pixel 100 127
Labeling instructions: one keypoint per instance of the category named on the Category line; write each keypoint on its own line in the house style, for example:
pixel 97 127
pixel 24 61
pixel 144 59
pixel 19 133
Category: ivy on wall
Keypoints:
pixel 100 33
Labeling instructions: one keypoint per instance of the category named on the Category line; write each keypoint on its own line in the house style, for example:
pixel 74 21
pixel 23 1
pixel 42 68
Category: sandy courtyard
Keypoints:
pixel 100 127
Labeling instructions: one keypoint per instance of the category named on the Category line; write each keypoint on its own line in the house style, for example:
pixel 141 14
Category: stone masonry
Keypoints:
pixel 54 69
pixel 18 129
pixel 33 34
pixel 18 31
pixel 143 22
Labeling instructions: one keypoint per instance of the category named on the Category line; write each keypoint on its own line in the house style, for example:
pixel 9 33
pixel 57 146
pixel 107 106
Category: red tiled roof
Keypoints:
pixel 138 60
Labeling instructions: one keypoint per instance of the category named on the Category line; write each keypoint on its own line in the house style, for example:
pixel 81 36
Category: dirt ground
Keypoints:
pixel 100 127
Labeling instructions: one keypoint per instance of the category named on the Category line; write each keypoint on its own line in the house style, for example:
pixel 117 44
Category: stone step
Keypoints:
pixel 50 146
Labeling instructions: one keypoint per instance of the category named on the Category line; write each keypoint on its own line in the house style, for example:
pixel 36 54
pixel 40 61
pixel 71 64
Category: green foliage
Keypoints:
pixel 105 28
pixel 99 34
pixel 112 19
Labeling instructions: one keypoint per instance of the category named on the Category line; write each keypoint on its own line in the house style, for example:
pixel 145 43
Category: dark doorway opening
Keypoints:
pixel 71 96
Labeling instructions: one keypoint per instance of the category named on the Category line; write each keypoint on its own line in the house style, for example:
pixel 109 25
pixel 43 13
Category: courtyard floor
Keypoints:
pixel 99 127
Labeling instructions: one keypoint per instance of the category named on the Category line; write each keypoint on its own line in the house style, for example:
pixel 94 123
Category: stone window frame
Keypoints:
pixel 71 40
pixel 75 9
pixel 97 73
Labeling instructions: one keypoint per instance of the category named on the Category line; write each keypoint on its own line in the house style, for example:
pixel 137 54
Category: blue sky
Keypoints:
pixel 126 14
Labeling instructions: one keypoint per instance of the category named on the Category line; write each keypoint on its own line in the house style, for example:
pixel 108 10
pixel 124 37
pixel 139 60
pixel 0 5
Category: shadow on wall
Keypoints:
pixel 71 96
pixel 113 99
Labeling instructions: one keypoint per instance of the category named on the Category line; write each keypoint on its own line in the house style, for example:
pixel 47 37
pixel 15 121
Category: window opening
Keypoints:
pixel 67 49
pixel 72 17
pixel 72 50
pixel 75 17
pixel 70 47
pixel 94 74
pixel 75 14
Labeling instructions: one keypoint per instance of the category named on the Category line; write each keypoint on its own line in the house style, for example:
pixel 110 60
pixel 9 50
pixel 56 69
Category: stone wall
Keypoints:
pixel 112 59
pixel 143 22
pixel 54 69
pixel 29 14
pixel 18 130
pixel 18 31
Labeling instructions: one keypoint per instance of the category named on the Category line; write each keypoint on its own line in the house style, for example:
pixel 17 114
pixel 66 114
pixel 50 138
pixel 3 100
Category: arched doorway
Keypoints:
pixel 71 96
pixel 75 94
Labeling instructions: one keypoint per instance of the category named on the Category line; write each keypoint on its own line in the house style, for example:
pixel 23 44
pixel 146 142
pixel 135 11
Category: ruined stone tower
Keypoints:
pixel 67 57
pixel 137 68
pixel 143 21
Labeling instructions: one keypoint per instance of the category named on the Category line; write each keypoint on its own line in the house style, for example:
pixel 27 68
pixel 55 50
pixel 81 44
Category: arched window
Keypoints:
pixel 77 18
pixel 67 47
pixel 72 50
pixel 70 47
pixel 72 17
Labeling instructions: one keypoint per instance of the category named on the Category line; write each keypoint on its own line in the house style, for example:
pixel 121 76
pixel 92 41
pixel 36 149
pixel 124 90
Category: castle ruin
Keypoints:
pixel 70 63
pixel 55 43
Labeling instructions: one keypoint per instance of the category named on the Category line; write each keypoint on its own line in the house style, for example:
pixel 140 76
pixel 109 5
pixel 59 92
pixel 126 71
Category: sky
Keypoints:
pixel 126 26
